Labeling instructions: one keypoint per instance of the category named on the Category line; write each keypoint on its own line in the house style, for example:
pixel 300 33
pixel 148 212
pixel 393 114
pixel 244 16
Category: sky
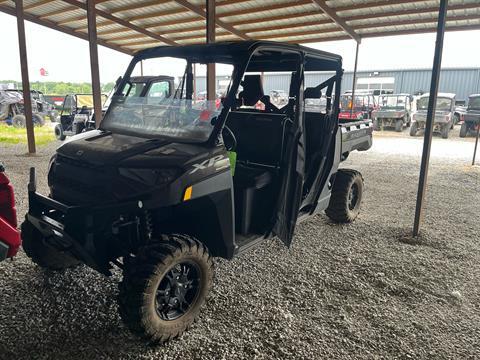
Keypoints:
pixel 66 58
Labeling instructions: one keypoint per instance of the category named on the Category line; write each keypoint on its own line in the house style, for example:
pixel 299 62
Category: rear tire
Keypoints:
pixel 346 198
pixel 59 132
pixel 413 129
pixel 164 287
pixel 463 130
pixel 38 120
pixel 41 254
pixel 399 125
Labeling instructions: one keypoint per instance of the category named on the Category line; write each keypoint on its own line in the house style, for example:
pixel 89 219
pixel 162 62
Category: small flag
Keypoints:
pixel 43 72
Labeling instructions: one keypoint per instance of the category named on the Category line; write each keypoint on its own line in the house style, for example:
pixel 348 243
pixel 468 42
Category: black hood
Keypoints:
pixel 91 167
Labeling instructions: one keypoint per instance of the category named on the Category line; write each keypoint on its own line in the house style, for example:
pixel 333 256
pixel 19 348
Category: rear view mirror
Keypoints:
pixel 312 93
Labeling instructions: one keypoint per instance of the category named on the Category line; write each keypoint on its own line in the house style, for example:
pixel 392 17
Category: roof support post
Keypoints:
pixel 92 43
pixel 432 102
pixel 354 79
pixel 476 144
pixel 27 101
pixel 211 83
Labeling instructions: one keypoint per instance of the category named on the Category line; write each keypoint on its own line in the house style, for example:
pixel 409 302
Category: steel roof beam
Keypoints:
pixel 199 11
pixel 340 22
pixel 50 24
pixel 124 23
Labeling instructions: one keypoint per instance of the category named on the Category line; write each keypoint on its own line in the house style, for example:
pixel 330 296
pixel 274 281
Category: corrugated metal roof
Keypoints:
pixel 302 21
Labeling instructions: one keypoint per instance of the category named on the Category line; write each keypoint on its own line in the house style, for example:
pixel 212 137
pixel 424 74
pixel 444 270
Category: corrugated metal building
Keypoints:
pixel 461 81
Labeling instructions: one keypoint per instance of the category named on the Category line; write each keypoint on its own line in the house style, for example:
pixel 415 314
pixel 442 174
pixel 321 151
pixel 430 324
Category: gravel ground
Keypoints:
pixel 362 290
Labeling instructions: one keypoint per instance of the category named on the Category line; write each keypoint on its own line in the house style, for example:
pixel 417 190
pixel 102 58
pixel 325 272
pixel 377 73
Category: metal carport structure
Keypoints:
pixel 130 25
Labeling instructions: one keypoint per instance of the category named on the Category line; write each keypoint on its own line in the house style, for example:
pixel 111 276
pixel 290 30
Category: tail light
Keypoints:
pixel 7 200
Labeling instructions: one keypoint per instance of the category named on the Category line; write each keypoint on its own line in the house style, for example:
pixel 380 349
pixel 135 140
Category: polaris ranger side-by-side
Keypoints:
pixel 445 116
pixel 393 110
pixel 471 119
pixel 157 192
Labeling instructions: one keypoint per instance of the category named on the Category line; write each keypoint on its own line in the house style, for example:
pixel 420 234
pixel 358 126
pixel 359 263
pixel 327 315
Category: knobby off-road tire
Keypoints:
pixel 399 125
pixel 59 132
pixel 38 120
pixel 347 194
pixel 463 130
pixel 19 121
pixel 413 129
pixel 445 131
pixel 164 287
pixel 41 254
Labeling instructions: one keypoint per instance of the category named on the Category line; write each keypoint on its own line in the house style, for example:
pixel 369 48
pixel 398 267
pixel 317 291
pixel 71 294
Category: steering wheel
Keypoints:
pixel 229 138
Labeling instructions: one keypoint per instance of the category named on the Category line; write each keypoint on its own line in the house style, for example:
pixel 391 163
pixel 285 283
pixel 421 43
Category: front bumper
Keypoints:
pixel 74 229
pixel 9 240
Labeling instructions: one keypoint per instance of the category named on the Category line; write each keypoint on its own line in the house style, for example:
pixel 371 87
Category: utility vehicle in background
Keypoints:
pixel 9 235
pixel 12 109
pixel 445 115
pixel 165 184
pixel 363 105
pixel 471 118
pixel 76 115
pixel 393 110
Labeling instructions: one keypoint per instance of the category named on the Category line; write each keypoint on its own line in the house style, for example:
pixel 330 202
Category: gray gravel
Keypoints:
pixel 362 290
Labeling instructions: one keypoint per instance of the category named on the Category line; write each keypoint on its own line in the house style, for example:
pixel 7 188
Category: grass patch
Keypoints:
pixel 11 135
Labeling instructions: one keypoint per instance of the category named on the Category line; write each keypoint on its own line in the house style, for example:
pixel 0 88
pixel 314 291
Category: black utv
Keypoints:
pixel 165 184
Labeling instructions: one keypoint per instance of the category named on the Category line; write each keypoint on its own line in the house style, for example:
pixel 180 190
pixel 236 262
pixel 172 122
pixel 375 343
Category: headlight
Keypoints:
pixel 150 177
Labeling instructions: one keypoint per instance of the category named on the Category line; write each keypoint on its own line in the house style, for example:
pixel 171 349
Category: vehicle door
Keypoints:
pixel 67 113
pixel 293 165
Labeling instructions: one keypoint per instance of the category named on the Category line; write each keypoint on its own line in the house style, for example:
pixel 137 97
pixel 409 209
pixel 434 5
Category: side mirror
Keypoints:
pixel 312 93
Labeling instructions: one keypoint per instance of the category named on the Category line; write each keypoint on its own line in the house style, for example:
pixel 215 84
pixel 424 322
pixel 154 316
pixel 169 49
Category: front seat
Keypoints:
pixel 253 92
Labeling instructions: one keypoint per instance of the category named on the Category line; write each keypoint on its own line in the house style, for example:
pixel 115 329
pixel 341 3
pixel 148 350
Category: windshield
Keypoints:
pixel 474 103
pixel 361 102
pixel 179 114
pixel 443 104
pixel 393 102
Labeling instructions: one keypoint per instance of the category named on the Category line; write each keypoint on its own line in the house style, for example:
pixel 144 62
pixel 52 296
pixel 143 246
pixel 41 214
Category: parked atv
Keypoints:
pixel 9 235
pixel 12 109
pixel 363 107
pixel 157 192
pixel 76 115
pixel 445 115
pixel 394 110
pixel 471 118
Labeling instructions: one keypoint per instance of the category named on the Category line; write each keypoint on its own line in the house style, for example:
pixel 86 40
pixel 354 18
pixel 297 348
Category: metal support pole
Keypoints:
pixel 476 144
pixel 211 77
pixel 141 67
pixel 427 141
pixel 354 79
pixel 27 101
pixel 92 42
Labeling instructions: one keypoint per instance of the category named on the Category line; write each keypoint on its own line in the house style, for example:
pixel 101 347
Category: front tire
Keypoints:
pixel 413 129
pixel 445 131
pixel 399 125
pixel 19 121
pixel 164 287
pixel 463 130
pixel 347 194
pixel 42 254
